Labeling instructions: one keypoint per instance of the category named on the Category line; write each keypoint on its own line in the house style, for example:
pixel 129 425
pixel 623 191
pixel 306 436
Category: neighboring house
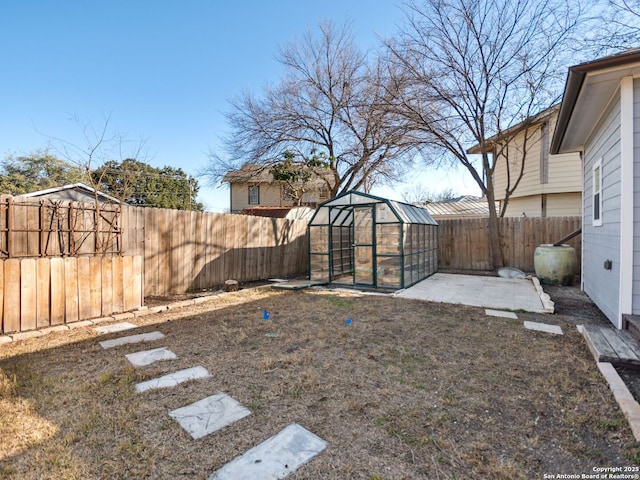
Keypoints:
pixel 466 206
pixel 551 185
pixel 289 213
pixel 599 118
pixel 75 192
pixel 253 185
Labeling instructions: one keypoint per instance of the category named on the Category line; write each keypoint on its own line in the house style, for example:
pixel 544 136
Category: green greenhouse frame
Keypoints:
pixel 358 239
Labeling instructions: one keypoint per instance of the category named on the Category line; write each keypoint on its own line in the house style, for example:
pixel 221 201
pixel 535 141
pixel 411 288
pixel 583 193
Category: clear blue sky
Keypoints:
pixel 162 70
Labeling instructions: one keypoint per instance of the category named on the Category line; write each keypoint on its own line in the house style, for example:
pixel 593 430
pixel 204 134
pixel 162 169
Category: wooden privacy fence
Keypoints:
pixel 189 251
pixel 181 250
pixel 464 244
pixel 47 228
pixel 36 293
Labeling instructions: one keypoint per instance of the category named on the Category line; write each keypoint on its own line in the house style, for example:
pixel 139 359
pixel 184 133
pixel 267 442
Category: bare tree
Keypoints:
pixel 620 25
pixel 419 193
pixel 332 101
pixel 99 146
pixel 468 70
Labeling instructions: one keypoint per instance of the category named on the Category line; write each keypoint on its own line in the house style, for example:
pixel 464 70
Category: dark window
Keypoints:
pixel 597 193
pixel 254 195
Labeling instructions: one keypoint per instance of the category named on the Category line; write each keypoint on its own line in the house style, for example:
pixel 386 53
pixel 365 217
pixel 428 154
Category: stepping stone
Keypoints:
pixel 147 357
pixel 543 327
pixel 209 414
pixel 500 313
pixel 276 457
pixel 115 327
pixel 173 379
pixel 142 337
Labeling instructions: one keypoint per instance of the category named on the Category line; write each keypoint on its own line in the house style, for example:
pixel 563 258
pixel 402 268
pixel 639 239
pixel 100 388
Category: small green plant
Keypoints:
pixel 255 406
pixel 608 424
pixel 340 302
pixel 106 378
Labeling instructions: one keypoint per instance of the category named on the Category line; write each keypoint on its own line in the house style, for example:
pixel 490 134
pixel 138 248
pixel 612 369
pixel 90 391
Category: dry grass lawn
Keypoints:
pixel 408 390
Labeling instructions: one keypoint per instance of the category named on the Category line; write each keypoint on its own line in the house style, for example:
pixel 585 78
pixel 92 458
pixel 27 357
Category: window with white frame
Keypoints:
pixel 254 195
pixel 596 193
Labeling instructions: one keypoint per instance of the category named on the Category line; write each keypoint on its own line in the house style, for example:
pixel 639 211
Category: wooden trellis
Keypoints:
pixel 54 228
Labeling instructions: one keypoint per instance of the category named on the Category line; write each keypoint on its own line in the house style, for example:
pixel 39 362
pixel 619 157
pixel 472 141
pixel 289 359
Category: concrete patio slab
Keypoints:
pixel 276 457
pixel 296 284
pixel 115 327
pixel 147 357
pixel 173 379
pixel 142 337
pixel 543 327
pixel 209 415
pixel 501 314
pixel 478 291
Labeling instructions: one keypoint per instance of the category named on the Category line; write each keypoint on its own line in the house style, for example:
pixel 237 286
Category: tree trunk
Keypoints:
pixel 494 230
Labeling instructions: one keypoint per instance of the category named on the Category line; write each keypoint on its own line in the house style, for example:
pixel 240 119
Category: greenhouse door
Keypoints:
pixel 363 246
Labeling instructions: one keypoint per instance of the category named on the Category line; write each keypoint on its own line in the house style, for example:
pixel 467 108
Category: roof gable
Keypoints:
pixel 588 90
pixel 59 192
pixel 508 134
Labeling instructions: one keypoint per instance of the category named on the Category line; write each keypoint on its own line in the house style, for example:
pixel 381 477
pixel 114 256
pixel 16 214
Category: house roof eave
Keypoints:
pixel 580 91
pixel 532 120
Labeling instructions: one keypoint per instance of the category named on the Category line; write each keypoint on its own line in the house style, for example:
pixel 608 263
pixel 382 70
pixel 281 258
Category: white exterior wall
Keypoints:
pixel 636 196
pixel 601 243
pixel 558 205
pixel 270 195
pixel 564 170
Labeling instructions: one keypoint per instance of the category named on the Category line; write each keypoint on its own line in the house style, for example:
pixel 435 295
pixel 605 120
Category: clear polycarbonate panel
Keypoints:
pixel 413 213
pixel 407 271
pixel 362 226
pixel 342 261
pixel 341 216
pixel 389 271
pixel 388 238
pixel 363 259
pixel 319 239
pixel 384 214
pixel 321 217
pixel 319 267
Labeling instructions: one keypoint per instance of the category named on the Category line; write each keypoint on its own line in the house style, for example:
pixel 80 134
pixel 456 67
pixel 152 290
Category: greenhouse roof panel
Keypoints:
pixel 336 211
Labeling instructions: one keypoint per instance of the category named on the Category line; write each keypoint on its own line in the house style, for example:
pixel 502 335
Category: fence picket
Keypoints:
pixel 28 294
pixel 71 312
pixel 43 292
pixel 12 295
pixel 95 287
pixel 56 267
pixel 107 286
pixel 118 285
pixel 84 287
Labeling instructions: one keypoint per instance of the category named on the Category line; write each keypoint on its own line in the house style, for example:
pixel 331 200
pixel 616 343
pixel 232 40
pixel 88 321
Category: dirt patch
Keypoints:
pixel 408 389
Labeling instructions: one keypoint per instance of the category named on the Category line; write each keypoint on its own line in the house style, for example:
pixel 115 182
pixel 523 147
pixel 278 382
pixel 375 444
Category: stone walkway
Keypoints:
pixel 274 458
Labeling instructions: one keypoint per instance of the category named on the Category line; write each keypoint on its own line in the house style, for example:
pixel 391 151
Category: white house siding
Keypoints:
pixel 270 195
pixel 564 204
pixel 636 199
pixel 603 243
pixel 558 205
pixel 530 206
pixel 564 170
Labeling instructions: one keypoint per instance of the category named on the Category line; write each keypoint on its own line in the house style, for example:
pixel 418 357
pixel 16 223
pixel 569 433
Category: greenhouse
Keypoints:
pixel 361 240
